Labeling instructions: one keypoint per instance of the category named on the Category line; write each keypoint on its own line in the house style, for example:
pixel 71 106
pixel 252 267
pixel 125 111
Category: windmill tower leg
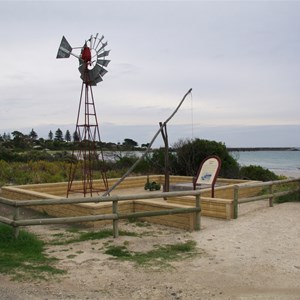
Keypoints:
pixel 89 158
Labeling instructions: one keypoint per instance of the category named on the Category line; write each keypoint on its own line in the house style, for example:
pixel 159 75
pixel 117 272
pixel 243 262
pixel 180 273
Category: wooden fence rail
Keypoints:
pixel 115 216
pixel 270 195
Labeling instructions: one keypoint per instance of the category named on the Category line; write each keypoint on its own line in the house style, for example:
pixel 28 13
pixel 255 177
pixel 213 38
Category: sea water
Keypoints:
pixel 280 162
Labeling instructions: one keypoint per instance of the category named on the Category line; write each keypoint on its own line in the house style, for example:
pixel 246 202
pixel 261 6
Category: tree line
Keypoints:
pixel 58 140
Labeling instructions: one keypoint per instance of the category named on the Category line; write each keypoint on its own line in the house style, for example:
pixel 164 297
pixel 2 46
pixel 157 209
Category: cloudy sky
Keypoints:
pixel 241 58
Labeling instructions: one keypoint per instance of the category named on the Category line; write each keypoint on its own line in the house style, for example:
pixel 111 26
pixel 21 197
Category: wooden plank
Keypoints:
pixel 6 220
pixel 67 220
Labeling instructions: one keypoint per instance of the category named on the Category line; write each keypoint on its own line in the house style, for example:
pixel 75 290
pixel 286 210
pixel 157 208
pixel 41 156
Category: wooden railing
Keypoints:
pixel 115 216
pixel 289 187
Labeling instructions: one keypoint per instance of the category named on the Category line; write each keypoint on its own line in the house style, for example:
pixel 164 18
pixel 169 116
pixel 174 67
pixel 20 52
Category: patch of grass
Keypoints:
pixel 64 250
pixel 58 234
pixel 24 257
pixel 142 224
pixel 118 251
pixel 132 219
pixel 93 235
pixel 161 256
pixel 90 236
pixel 137 222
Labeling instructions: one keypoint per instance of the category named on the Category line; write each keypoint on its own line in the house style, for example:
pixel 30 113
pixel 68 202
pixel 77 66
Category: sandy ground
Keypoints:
pixel 256 256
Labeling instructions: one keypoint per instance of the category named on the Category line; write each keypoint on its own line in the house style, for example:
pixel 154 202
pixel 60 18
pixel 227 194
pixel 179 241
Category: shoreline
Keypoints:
pixel 287 173
pixel 243 149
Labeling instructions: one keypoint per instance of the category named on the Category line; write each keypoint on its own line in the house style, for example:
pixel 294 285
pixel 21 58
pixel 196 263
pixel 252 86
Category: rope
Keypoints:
pixel 192 115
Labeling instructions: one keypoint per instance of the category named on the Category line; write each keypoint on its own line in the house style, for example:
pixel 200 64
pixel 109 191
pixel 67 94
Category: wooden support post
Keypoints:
pixel 115 221
pixel 271 193
pixel 16 217
pixel 235 201
pixel 198 214
pixel 164 134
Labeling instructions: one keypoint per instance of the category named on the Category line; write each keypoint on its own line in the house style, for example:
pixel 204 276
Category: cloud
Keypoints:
pixel 240 58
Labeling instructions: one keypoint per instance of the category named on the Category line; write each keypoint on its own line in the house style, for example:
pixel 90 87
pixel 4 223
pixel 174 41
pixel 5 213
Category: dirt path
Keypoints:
pixel 253 257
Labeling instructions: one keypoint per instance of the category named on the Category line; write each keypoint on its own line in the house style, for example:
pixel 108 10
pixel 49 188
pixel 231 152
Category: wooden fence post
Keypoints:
pixel 115 221
pixel 271 193
pixel 198 213
pixel 16 217
pixel 235 201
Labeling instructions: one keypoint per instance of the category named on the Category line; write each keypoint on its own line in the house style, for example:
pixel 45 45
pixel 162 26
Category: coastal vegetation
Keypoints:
pixel 26 159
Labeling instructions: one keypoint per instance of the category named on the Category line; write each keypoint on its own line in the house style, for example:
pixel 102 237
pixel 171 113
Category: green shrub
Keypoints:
pixel 191 153
pixel 253 172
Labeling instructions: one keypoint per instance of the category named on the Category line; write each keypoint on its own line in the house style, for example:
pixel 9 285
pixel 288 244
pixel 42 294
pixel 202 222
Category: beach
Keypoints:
pixel 285 163
pixel 288 173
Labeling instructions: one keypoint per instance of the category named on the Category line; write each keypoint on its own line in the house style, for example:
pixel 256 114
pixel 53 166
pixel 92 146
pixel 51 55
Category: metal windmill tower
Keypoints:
pixel 90 158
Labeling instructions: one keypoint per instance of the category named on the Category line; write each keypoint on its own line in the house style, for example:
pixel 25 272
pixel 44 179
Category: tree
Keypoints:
pixel 75 136
pixel 58 135
pixel 156 162
pixel 20 140
pixel 6 136
pixel 130 143
pixel 33 135
pixel 191 153
pixel 50 135
pixel 68 136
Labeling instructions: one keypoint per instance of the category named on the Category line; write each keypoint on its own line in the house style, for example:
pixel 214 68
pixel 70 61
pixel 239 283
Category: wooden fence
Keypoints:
pixel 288 186
pixel 115 216
pixel 270 189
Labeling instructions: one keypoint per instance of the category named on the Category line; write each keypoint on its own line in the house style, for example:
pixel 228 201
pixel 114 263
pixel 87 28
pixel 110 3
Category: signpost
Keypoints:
pixel 208 172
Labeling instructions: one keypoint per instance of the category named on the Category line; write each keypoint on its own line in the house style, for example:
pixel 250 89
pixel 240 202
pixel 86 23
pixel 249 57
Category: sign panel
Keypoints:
pixel 209 170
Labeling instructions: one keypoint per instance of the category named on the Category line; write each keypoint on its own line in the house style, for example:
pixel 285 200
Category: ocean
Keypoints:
pixel 285 163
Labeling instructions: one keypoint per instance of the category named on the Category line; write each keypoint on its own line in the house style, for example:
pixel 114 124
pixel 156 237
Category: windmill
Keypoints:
pixel 92 63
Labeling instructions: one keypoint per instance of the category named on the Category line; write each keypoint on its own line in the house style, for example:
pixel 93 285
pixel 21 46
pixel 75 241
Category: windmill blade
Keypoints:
pixel 94 73
pixel 103 62
pixel 82 68
pixel 102 37
pixel 102 47
pixel 90 39
pixel 98 79
pixel 102 71
pixel 103 54
pixel 65 49
pixel 95 40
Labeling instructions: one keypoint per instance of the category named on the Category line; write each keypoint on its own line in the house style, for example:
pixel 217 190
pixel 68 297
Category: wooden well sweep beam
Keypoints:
pixel 161 128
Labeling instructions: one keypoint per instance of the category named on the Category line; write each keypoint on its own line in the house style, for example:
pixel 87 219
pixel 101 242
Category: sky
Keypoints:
pixel 241 59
